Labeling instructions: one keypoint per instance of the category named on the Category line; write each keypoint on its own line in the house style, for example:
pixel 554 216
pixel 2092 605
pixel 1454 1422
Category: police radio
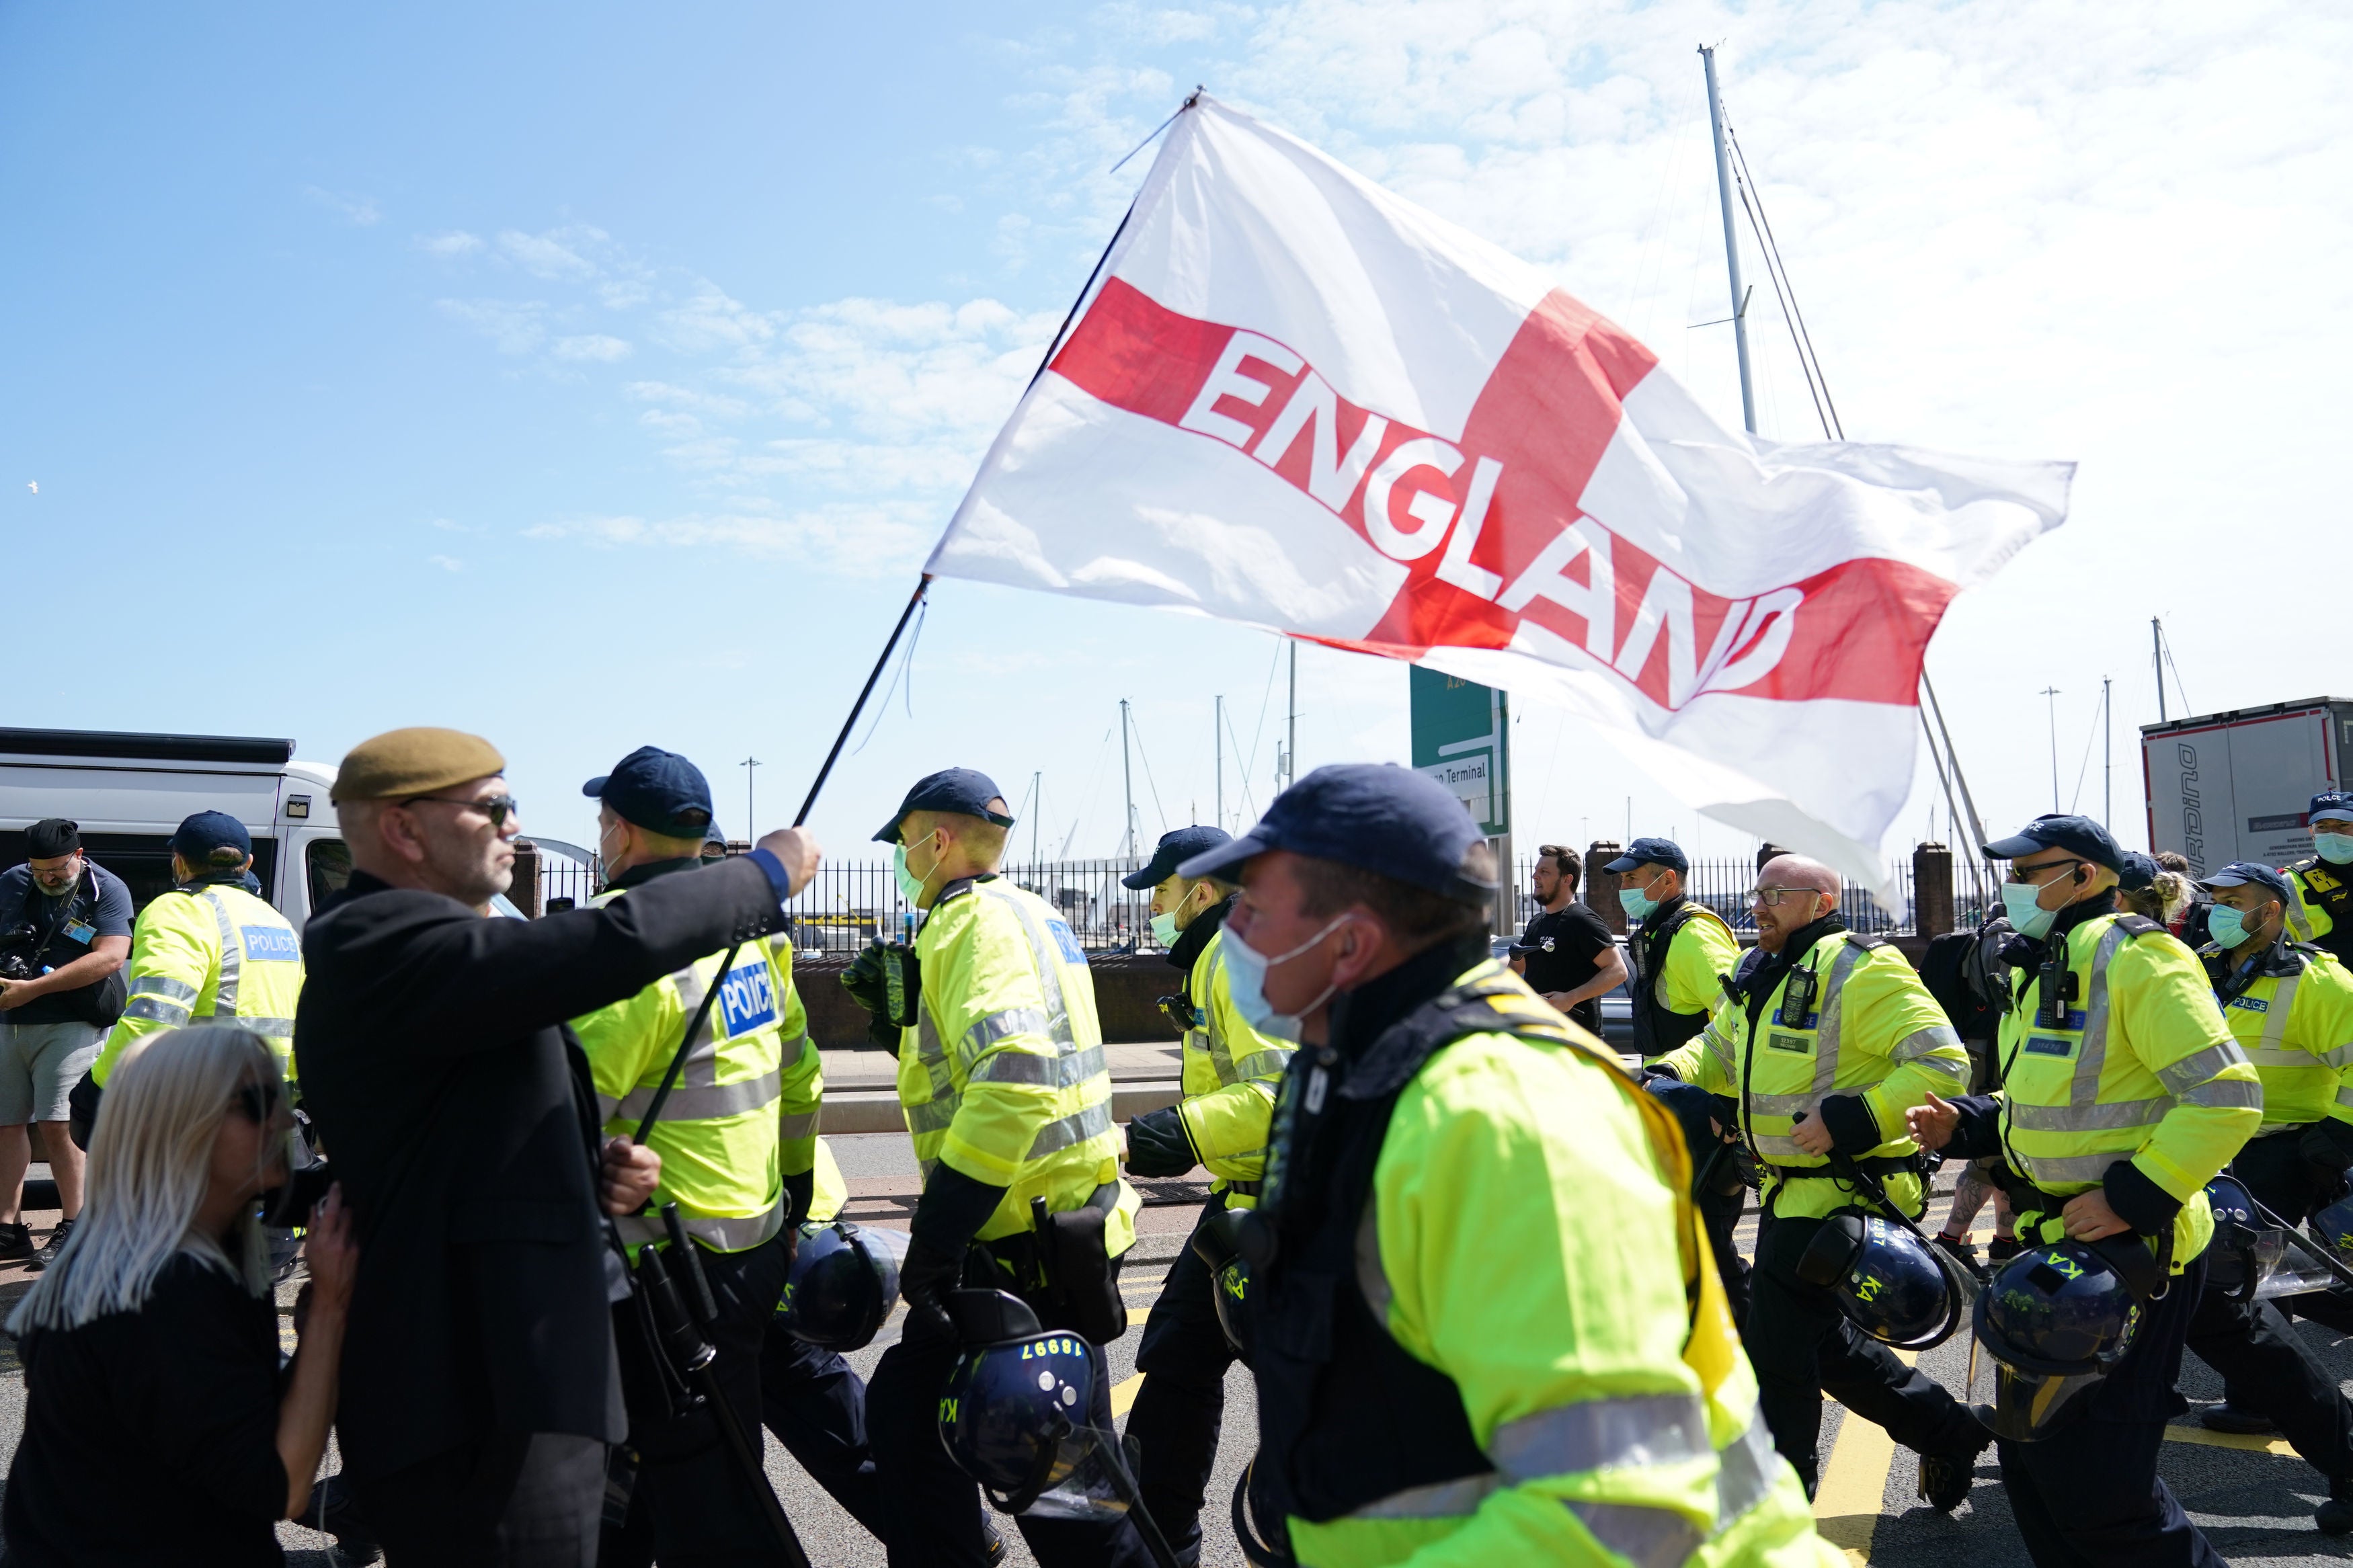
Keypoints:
pixel 1797 997
pixel 2054 987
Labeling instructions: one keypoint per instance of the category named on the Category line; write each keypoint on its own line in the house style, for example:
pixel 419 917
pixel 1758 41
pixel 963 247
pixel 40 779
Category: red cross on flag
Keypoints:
pixel 1300 401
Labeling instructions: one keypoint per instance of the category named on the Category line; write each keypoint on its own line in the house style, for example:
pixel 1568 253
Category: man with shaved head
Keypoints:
pixel 1824 1041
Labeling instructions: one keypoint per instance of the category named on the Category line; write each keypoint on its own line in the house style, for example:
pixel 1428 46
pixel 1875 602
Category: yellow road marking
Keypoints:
pixel 1124 1393
pixel 2247 1442
pixel 1853 1488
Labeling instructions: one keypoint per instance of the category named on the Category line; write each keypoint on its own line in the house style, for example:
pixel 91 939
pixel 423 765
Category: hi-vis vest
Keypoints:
pixel 1229 1073
pixel 1370 1449
pixel 209 953
pixel 1789 1061
pixel 2178 1102
pixel 1003 1075
pixel 742 1115
pixel 2295 1021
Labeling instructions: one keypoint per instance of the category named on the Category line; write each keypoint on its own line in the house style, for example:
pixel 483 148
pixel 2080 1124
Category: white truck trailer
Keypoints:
pixel 2234 787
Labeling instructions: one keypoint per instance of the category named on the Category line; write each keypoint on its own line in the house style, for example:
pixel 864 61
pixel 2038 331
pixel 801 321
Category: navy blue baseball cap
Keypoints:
pixel 206 831
pixel 1174 850
pixel 1651 852
pixel 655 789
pixel 1376 817
pixel 2076 835
pixel 964 791
pixel 2331 803
pixel 2138 871
pixel 2246 873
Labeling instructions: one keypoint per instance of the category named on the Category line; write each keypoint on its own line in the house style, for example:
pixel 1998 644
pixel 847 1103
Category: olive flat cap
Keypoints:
pixel 399 763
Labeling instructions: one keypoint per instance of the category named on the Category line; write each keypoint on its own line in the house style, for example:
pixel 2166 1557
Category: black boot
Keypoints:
pixel 2334 1517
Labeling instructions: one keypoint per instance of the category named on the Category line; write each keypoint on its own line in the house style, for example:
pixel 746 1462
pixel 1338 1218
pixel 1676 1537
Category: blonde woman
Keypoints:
pixel 150 1346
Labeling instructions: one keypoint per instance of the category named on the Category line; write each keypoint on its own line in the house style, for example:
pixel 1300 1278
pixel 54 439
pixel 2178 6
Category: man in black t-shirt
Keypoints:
pixel 72 920
pixel 1567 953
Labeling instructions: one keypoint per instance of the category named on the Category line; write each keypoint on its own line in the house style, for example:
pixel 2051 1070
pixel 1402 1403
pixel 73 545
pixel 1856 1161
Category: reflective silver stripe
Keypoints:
pixel 1264 1064
pixel 725 1235
pixel 276 1028
pixel 1049 960
pixel 1601 1434
pixel 157 1008
pixel 708 1102
pixel 2179 1078
pixel 607 1106
pixel 1051 1072
pixel 1646 1537
pixel 933 1057
pixel 1745 1472
pixel 1782 1151
pixel 2083 1089
pixel 2226 1094
pixel 2090 1118
pixel 2047 1172
pixel 1779 1104
pixel 1075 1128
pixel 801 1125
pixel 1002 1025
pixel 2344 1098
pixel 232 955
pixel 1720 1047
pixel 932 1115
pixel 2289 1057
pixel 1440 1499
pixel 2298 920
pixel 1221 1059
pixel 1924 1041
pixel 164 985
pixel 1828 1014
pixel 2276 1016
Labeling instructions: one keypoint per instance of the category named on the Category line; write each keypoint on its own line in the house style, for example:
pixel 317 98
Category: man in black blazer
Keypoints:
pixel 479 1384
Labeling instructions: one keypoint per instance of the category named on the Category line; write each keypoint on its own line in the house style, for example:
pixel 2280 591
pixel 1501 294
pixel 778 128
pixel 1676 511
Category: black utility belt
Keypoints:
pixel 1246 1189
pixel 1882 1166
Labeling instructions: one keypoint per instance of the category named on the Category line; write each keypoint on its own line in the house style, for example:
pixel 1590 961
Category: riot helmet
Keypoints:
pixel 2055 1322
pixel 843 1282
pixel 1018 1414
pixel 1890 1284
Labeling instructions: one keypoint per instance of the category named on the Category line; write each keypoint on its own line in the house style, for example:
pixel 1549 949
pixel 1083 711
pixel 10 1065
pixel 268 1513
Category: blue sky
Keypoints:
pixel 588 376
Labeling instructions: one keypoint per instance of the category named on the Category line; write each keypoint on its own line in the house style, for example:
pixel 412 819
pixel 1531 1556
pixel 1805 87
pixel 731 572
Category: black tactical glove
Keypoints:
pixel 800 1194
pixel 863 979
pixel 2327 1147
pixel 1158 1145
pixel 902 983
pixel 925 1278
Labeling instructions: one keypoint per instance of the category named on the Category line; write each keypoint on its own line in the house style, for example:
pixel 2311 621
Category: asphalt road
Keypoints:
pixel 2253 1500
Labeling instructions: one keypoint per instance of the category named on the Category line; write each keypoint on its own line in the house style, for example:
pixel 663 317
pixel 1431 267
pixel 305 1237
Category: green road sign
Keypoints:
pixel 1461 738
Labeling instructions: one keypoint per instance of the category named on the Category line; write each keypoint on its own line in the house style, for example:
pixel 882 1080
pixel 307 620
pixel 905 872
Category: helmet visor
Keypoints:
pixel 1081 1483
pixel 2029 1406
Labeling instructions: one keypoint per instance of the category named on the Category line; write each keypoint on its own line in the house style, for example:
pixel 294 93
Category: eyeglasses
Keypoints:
pixel 1774 897
pixel 2018 873
pixel 497 807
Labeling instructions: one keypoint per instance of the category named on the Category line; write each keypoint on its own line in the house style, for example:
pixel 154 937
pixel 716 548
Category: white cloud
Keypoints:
pixel 451 243
pixel 360 211
pixel 593 346
pixel 446 562
pixel 556 255
pixel 857 541
pixel 710 321
pixel 517 328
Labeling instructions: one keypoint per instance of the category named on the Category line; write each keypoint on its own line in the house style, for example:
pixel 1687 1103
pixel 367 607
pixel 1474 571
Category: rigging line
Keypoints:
pixel 1651 245
pixel 1087 800
pixel 1773 246
pixel 905 670
pixel 2089 742
pixel 1249 796
pixel 1773 275
pixel 2183 690
pixel 1148 782
pixel 1140 146
pixel 1264 702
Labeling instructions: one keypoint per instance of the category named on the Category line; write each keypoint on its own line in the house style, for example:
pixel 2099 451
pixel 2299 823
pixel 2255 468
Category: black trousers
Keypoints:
pixel 2266 1369
pixel 2276 1170
pixel 817 1407
pixel 692 1506
pixel 515 1499
pixel 1721 1212
pixel 1181 1408
pixel 934 1508
pixel 2088 1495
pixel 1802 1347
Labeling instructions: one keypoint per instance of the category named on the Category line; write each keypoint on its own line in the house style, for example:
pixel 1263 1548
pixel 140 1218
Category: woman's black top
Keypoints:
pixel 151 1437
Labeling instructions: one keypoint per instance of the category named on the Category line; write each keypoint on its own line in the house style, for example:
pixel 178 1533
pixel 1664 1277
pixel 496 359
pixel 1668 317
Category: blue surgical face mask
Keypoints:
pixel 2226 925
pixel 1637 902
pixel 911 887
pixel 1164 930
pixel 1246 970
pixel 2337 848
pixel 2027 918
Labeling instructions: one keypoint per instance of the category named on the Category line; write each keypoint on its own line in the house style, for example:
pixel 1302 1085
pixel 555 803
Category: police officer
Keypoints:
pixel 1481 1311
pixel 2322 910
pixel 2122 1095
pixel 2290 1007
pixel 737 1139
pixel 1681 953
pixel 1229 1073
pixel 1829 1041
pixel 1003 1082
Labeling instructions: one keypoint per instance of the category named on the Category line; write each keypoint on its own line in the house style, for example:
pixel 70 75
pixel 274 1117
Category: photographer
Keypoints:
pixel 64 932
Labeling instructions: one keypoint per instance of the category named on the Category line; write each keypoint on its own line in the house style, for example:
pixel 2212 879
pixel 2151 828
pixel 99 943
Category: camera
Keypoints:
pixel 19 946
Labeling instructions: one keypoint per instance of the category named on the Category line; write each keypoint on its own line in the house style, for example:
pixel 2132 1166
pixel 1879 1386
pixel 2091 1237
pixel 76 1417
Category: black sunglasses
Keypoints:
pixel 497 807
pixel 255 1102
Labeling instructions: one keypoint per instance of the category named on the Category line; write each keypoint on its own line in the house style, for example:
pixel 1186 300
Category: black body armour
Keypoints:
pixel 1347 1416
pixel 1657 1030
pixel 2329 888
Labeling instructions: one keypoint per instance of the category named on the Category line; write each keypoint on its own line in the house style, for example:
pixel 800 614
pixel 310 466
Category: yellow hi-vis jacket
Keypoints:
pixel 2295 1021
pixel 209 952
pixel 1003 1074
pixel 1873 1032
pixel 2140 1068
pixel 1229 1073
pixel 742 1115
pixel 829 1194
pixel 1536 1242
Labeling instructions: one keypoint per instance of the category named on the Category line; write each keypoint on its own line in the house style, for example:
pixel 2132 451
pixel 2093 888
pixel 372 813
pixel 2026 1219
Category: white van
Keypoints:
pixel 128 792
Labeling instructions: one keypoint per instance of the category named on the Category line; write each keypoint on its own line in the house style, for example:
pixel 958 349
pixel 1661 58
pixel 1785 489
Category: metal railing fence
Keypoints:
pixel 1724 886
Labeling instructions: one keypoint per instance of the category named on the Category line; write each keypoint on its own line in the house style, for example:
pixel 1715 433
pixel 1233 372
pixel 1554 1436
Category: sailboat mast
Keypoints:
pixel 1731 240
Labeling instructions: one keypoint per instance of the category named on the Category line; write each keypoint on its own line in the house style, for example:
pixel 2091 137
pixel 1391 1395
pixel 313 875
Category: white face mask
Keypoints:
pixel 1246 971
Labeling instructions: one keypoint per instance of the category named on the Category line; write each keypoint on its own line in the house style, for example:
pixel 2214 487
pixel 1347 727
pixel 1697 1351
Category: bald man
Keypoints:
pixel 1825 1040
